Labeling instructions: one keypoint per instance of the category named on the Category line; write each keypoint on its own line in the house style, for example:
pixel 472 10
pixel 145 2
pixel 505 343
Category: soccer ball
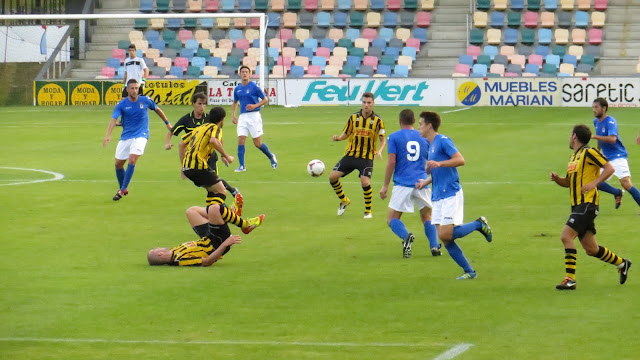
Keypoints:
pixel 315 167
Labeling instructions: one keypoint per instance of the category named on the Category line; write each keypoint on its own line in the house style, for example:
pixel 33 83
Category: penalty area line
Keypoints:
pixel 56 176
pixel 453 352
pixel 227 342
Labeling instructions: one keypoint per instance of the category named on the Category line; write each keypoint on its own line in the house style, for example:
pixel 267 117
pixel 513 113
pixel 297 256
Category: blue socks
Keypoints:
pixel 458 256
pixel 127 177
pixel 432 234
pixel 603 186
pixel 120 176
pixel 241 155
pixel 398 228
pixel 265 149
pixel 635 194
pixel 466 229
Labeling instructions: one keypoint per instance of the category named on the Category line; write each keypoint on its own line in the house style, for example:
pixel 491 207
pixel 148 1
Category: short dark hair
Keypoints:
pixel 131 81
pixel 583 133
pixel 216 114
pixel 407 117
pixel 198 95
pixel 603 102
pixel 243 67
pixel 132 46
pixel 368 95
pixel 432 118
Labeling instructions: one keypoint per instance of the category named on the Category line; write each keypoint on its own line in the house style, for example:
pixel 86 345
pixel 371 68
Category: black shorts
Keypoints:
pixel 125 93
pixel 349 163
pixel 218 234
pixel 582 218
pixel 213 161
pixel 203 178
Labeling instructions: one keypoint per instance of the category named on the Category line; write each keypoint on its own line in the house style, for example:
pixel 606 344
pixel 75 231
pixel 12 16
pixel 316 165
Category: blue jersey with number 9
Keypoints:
pixel 411 151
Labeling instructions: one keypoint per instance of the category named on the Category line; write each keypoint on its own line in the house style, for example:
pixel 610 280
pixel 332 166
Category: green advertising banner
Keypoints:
pixel 50 93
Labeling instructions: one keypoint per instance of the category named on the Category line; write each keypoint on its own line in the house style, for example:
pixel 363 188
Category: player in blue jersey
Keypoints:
pixel 135 133
pixel 606 132
pixel 407 164
pixel 447 197
pixel 251 99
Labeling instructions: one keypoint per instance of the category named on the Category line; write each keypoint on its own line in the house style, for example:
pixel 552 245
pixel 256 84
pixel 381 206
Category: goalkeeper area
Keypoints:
pixel 306 284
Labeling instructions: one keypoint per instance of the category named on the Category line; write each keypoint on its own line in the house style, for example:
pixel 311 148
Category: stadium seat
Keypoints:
pixel 311 43
pixel 390 19
pixel 533 5
pixel 356 19
pixel 290 20
pixel 494 36
pixel 228 5
pixel 353 61
pixel 211 5
pixel 531 19
pixel 544 36
pixel 519 60
pixel 123 44
pixel 567 5
pixel 403 34
pixel 328 43
pixel 566 69
pixel 497 19
pixel 500 5
pixel 327 5
pixel 507 50
pixel 476 36
pixel 243 44
pixel 517 5
pixel 510 37
pixel 565 19
pixel 311 5
pixel 532 68
pixel 408 4
pixel 420 34
pixel 386 34
pixel 279 71
pixel 427 5
pixel 174 24
pixel 597 19
pixel 406 19
pixel 177 71
pixel 140 24
pixel 549 70
pixel 480 19
pixel 401 71
pixel 550 5
pixel 277 5
pixel 479 70
pixel 219 53
pixel 340 19
pixel 344 5
pixel 423 19
pixel 584 5
pixel 296 71
pixel 525 50
pixel 484 59
pixel 553 60
pixel 320 61
pixel 245 5
pixel 162 6
pixel 261 5
pixel 559 50
pixel 369 34
pixel 370 61
pixel 179 6
pixel 394 5
pixel 595 36
pixel 473 50
pixel 414 44
pixel 273 20
pixel 377 5
pixel 489 50
pixel 570 59
pixel 535 59
pixel 561 36
pixel 146 6
pixel 514 19
pixel 352 34
pixel 194 5
pixel 581 19
pixel 483 5
pixel 600 5
pixel 193 72
pixel 497 69
pixel 578 36
pixel 575 50
pixel 113 62
pixel 409 51
pixel 547 19
pixel 294 5
pixel 542 50
pixel 462 70
pixel 362 43
pixel 587 60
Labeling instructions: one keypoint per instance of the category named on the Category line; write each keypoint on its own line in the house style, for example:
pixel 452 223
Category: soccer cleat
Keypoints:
pixel 567 284
pixel 624 270
pixel 343 206
pixel 368 215
pixel 237 204
pixel 467 276
pixel 240 169
pixel 120 194
pixel 435 251
pixel 274 161
pixel 406 246
pixel 253 223
pixel 619 199
pixel 486 229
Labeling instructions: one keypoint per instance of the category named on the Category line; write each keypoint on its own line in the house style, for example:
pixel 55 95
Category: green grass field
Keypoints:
pixel 307 284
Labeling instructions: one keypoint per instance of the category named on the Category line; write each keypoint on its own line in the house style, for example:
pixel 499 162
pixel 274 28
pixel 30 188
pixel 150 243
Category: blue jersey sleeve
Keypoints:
pixel 117 111
pixel 612 128
pixel 448 147
pixel 257 92
pixel 151 104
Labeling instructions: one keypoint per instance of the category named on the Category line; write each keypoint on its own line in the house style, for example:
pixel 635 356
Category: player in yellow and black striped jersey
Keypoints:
pixel 363 129
pixel 215 239
pixel 582 179
pixel 195 150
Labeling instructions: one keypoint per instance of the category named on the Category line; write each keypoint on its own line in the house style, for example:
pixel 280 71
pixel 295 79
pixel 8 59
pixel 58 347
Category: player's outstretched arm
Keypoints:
pixel 562 181
pixel 107 137
pixel 217 253
pixel 163 117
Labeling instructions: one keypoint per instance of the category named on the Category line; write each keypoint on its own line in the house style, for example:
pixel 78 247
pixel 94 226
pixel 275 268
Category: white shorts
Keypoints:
pixel 403 198
pixel 448 211
pixel 621 167
pixel 128 147
pixel 250 123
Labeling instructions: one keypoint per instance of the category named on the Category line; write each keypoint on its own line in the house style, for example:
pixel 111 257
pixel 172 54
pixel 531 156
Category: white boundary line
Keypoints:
pixel 453 352
pixel 56 176
pixel 459 347
pixel 456 110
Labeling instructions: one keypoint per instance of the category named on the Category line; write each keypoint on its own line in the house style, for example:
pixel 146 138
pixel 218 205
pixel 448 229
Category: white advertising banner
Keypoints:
pixel 619 92
pixel 220 91
pixel 508 92
pixel 386 91
pixel 32 43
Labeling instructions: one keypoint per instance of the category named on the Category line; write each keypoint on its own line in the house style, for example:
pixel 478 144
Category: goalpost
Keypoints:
pixel 57 55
